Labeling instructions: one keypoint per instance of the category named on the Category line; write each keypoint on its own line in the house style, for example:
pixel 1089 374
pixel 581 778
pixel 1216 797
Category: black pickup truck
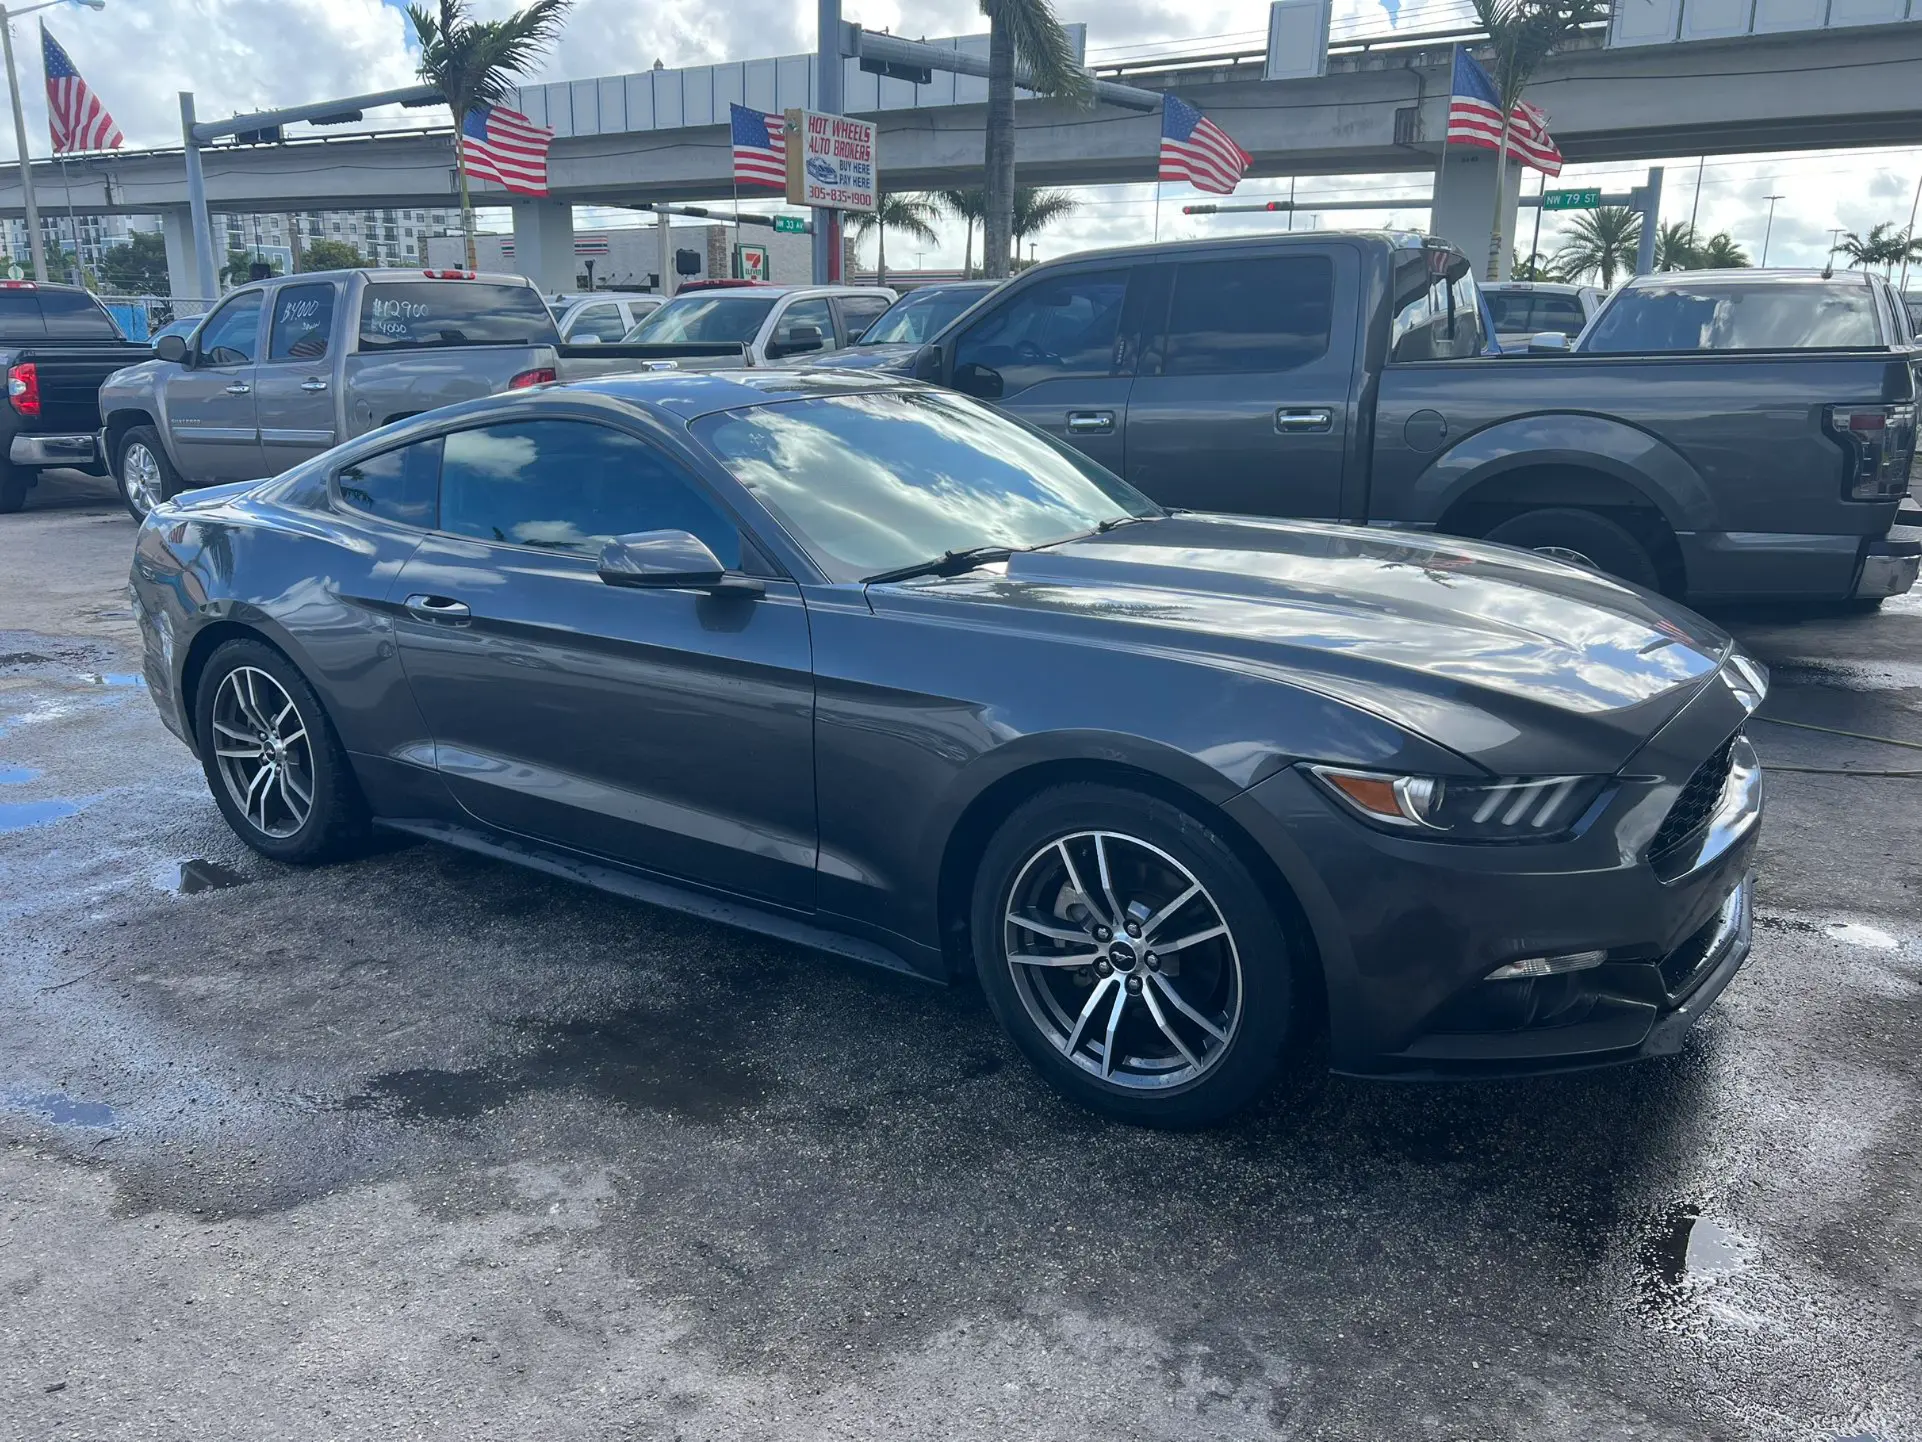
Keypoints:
pixel 57 344
pixel 1340 376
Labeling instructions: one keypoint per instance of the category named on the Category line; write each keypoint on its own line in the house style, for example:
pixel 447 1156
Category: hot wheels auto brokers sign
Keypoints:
pixel 831 161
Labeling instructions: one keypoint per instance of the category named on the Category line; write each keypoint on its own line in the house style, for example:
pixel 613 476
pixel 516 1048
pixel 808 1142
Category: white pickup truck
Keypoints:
pixel 725 325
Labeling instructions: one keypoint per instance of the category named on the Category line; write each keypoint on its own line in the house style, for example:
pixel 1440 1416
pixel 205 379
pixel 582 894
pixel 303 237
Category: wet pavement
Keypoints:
pixel 427 1146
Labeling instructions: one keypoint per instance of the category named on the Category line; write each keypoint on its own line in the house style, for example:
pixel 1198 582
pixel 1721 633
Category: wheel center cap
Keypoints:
pixel 1121 955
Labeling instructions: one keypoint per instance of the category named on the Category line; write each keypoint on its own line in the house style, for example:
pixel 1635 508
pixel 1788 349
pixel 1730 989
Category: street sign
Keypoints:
pixel 750 262
pixel 14 272
pixel 790 224
pixel 831 161
pixel 1589 199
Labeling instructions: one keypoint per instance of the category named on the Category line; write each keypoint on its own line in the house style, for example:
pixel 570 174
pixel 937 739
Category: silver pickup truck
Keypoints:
pixel 285 368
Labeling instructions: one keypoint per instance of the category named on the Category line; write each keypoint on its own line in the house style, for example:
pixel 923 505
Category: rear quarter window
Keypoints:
pixel 423 314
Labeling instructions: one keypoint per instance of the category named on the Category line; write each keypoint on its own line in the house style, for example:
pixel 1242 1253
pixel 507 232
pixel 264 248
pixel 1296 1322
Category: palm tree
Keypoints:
pixel 1720 252
pixel 1677 247
pixel 1601 242
pixel 1884 245
pixel 907 213
pixel 469 62
pixel 965 205
pixel 1524 33
pixel 1028 32
pixel 1035 210
pixel 1536 267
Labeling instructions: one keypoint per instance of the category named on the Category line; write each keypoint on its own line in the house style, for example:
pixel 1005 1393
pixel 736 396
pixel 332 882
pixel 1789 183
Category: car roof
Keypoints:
pixel 1398 240
pixel 1551 287
pixel 688 394
pixel 1748 276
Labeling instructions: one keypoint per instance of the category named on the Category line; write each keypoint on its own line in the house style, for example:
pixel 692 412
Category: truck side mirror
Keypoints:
pixel 981 381
pixel 1548 342
pixel 171 348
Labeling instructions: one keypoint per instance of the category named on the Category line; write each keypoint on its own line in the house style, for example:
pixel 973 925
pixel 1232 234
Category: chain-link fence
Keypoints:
pixel 140 317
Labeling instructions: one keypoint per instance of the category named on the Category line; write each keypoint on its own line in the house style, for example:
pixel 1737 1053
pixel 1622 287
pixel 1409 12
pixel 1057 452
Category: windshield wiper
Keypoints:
pixel 1115 522
pixel 948 563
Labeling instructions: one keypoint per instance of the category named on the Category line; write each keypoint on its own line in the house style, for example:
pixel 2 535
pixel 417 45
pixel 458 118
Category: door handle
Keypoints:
pixel 239 388
pixel 313 383
pixel 1307 418
pixel 1084 423
pixel 438 608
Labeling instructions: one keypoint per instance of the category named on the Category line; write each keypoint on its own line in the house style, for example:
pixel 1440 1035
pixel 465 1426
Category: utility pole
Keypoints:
pixel 1769 228
pixel 197 201
pixel 829 65
pixel 34 240
pixel 1836 232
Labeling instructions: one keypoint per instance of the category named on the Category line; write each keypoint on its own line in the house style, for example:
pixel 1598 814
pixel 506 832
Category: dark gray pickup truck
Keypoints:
pixel 1339 376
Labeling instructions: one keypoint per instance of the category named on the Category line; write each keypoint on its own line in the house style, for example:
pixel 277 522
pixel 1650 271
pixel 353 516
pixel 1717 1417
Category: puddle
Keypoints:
pixel 1855 933
pixel 1683 1255
pixel 195 875
pixel 22 658
pixel 113 678
pixel 639 1060
pixel 61 1109
pixel 19 815
pixel 16 775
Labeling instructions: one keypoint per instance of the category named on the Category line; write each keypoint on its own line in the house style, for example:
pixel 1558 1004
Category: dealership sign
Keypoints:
pixel 831 161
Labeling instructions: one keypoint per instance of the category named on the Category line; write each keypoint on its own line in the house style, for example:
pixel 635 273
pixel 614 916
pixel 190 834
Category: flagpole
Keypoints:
pixel 1441 161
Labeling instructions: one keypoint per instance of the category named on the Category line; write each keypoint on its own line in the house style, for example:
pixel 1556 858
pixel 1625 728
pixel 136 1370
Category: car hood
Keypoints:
pixel 890 355
pixel 1524 665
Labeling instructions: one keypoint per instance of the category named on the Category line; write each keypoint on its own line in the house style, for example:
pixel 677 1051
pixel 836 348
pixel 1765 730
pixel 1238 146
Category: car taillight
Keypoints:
pixel 18 285
pixel 23 388
pixel 539 376
pixel 1881 445
pixel 448 274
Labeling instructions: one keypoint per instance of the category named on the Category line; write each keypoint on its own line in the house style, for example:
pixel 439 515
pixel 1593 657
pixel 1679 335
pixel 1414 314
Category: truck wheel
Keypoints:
pixel 1582 538
pixel 145 474
pixel 14 485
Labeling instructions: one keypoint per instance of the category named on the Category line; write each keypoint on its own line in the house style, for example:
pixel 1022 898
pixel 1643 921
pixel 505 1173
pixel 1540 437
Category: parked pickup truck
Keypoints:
pixel 287 367
pixel 57 344
pixel 725 327
pixel 1337 375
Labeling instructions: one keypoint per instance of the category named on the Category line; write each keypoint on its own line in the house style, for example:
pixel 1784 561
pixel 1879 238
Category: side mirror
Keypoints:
pixel 801 338
pixel 926 365
pixel 983 382
pixel 588 339
pixel 668 560
pixel 1548 342
pixel 171 348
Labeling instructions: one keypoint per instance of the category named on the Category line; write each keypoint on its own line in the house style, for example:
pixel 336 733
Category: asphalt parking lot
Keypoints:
pixel 427 1146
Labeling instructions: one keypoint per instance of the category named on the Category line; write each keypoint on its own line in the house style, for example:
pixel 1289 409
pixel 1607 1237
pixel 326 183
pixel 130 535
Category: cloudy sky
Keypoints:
pixel 241 55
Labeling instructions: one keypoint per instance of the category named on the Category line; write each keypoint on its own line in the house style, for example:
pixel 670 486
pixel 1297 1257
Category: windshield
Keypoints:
pixel 1738 315
pixel 873 483
pixel 1529 312
pixel 914 318
pixel 704 319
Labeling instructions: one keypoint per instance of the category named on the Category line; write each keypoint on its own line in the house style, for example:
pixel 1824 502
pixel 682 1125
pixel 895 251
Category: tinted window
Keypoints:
pixel 705 319
pixel 602 320
pixel 1737 315
pixel 1521 312
pixel 1435 318
pixel 571 486
pixel 790 331
pixel 303 321
pixel 74 315
pixel 20 314
pixel 1061 327
pixel 1232 316
pixel 919 317
pixel 232 333
pixel 858 312
pixel 410 314
pixel 868 483
pixel 396 485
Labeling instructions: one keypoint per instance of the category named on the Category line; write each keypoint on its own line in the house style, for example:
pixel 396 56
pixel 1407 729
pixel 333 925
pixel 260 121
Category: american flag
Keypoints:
pixel 1475 118
pixel 74 114
pixel 760 147
pixel 1195 149
pixel 507 148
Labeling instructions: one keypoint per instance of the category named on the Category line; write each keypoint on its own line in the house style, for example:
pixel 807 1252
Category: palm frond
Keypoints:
pixel 1042 46
pixel 1036 209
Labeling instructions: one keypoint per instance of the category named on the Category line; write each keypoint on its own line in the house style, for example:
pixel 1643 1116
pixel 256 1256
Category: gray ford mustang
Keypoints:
pixel 873 668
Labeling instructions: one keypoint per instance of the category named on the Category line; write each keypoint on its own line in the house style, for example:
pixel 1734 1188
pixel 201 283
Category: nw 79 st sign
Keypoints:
pixel 831 161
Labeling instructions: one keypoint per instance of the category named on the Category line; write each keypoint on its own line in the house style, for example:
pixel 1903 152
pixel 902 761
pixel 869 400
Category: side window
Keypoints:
pixel 396 485
pixel 232 333
pixel 75 315
pixel 1434 319
pixel 805 326
pixel 858 312
pixel 601 320
pixel 303 320
pixel 1066 326
pixel 1236 316
pixel 571 486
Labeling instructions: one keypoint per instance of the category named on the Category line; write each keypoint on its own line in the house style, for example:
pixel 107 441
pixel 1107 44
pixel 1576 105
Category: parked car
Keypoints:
pixel 600 315
pixel 891 341
pixel 182 326
pixel 1339 376
pixel 57 344
pixel 1524 309
pixel 725 325
pixel 284 368
pixel 870 667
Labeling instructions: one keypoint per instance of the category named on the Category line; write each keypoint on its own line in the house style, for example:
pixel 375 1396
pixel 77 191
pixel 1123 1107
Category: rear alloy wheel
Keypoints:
pixel 145 475
pixel 1581 538
pixel 14 485
pixel 1132 957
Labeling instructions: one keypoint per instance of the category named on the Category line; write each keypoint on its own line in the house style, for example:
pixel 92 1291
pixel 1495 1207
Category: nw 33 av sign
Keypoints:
pixel 831 161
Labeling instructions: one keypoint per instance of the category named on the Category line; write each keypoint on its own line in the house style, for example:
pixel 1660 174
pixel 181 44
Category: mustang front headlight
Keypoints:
pixel 1518 808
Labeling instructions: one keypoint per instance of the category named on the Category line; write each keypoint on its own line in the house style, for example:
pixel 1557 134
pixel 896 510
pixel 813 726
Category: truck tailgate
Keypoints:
pixel 383 386
pixel 69 380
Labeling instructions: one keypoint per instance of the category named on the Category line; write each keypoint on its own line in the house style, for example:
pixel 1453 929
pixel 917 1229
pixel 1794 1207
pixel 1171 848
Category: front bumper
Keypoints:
pixel 54 450
pixel 1408 930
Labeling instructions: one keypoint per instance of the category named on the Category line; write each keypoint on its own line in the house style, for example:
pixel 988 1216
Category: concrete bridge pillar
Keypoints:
pixel 183 271
pixel 544 243
pixel 1465 205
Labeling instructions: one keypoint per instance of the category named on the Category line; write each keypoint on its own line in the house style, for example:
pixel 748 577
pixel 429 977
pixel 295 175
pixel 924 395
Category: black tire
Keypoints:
pixel 1242 981
pixel 134 492
pixel 14 485
pixel 335 822
pixel 1566 533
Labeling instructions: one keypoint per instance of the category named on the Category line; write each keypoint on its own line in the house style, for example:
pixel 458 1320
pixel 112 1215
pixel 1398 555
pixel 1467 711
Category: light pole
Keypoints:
pixel 34 241
pixel 1766 229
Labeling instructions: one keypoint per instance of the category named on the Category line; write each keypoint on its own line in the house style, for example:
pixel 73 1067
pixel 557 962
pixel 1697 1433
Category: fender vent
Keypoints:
pixel 1694 806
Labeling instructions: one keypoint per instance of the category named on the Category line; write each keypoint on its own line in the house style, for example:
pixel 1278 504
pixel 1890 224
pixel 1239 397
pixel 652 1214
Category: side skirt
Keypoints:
pixel 666 894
